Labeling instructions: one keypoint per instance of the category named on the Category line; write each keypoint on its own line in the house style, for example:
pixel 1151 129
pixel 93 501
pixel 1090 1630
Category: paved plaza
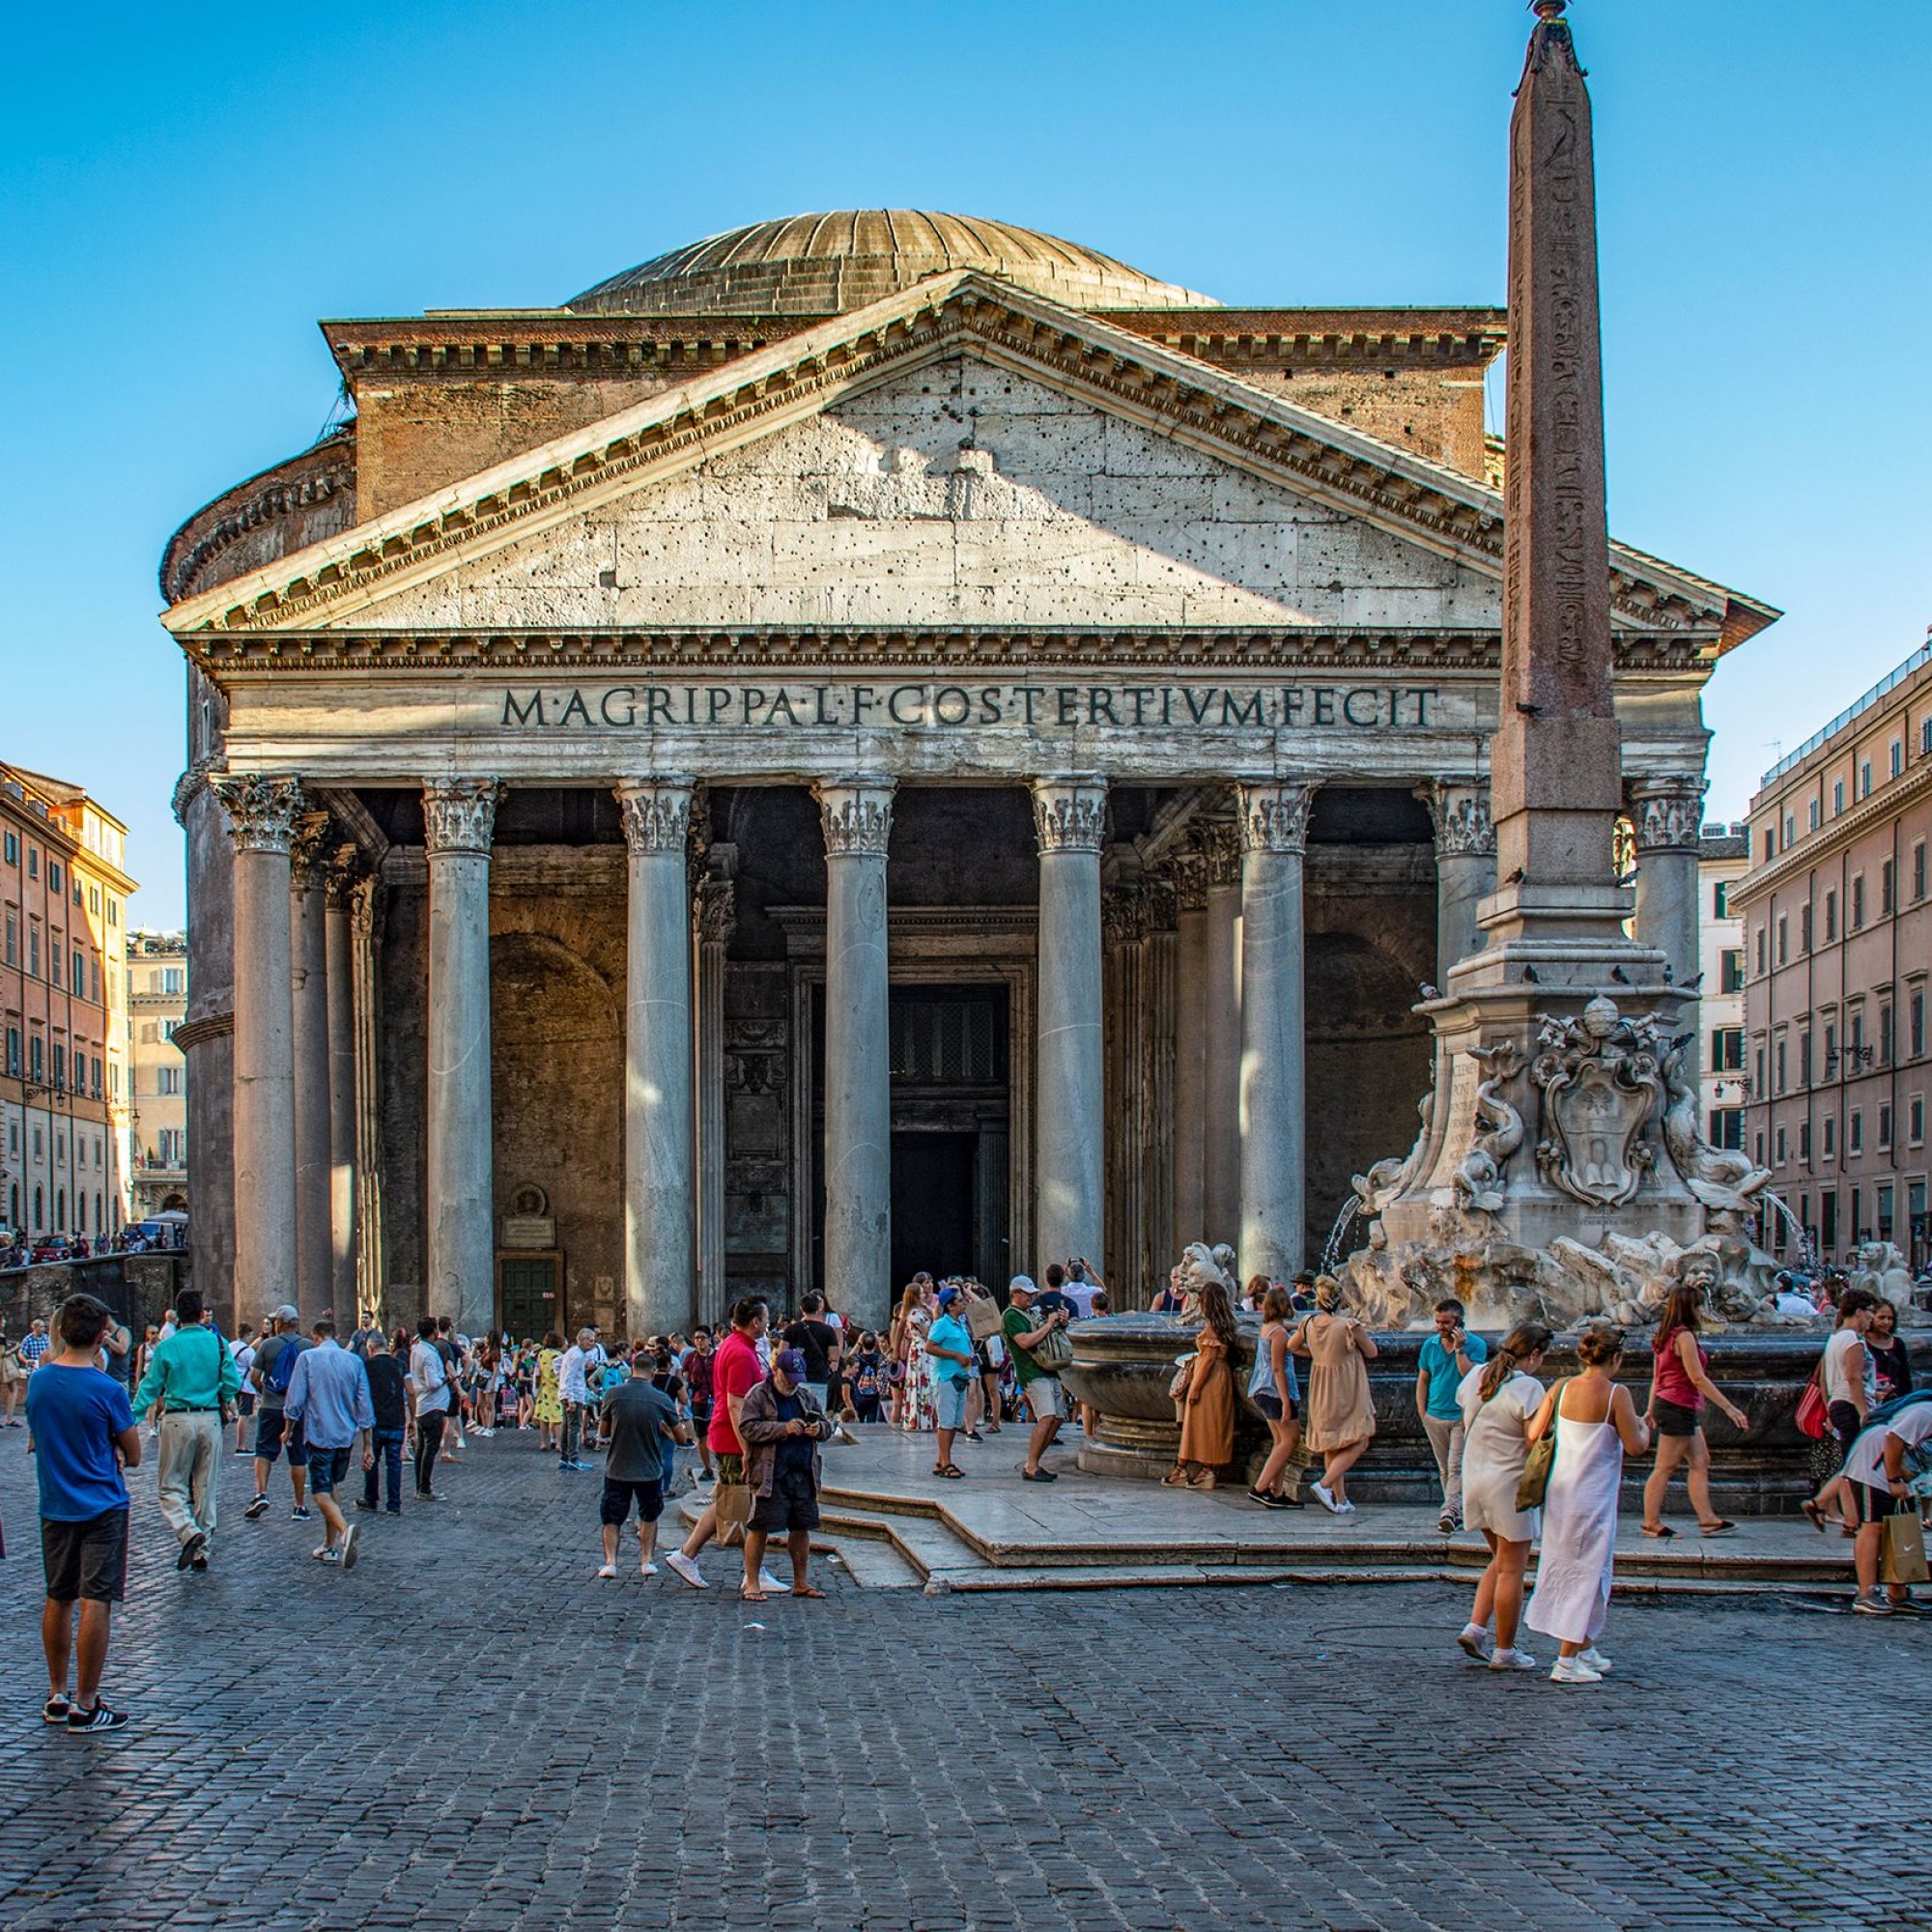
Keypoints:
pixel 470 1731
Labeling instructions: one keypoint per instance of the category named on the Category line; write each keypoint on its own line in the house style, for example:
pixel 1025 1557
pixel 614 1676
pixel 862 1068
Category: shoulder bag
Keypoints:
pixel 1814 1417
pixel 1533 1485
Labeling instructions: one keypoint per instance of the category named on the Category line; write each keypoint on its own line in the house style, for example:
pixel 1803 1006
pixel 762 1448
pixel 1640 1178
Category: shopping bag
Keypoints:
pixel 1902 1556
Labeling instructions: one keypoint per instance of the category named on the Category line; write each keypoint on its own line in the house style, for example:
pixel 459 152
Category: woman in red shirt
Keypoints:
pixel 1679 1388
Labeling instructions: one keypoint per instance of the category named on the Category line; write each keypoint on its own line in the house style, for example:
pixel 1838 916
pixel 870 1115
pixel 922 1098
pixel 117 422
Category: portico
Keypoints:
pixel 1022 746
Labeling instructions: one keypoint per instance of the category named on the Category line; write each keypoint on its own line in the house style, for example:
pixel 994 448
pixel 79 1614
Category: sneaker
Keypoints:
pixel 1344 1509
pixel 1573 1670
pixel 1517 1660
pixel 1319 1492
pixel 1912 1607
pixel 1596 1659
pixel 352 1544
pixel 1877 1604
pixel 683 1566
pixel 299 1514
pixel 394 1509
pixel 648 1569
pixel 190 1549
pixel 259 1507
pixel 770 1585
pixel 1038 1475
pixel 200 1564
pixel 329 1553
pixel 100 1718
pixel 1475 1641
pixel 1446 1522
pixel 55 1710
pixel 606 1573
pixel 363 1503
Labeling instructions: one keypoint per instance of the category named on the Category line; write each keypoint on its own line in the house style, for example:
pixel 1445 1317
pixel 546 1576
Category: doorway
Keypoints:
pixel 527 1306
pixel 934 1204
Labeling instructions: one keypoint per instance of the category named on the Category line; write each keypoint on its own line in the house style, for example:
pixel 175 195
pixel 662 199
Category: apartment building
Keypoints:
pixel 1723 858
pixel 156 1004
pixel 1837 915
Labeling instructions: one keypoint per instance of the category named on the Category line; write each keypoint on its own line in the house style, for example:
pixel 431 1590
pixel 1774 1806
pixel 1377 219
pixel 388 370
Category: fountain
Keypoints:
pixel 1335 1249
pixel 1800 1234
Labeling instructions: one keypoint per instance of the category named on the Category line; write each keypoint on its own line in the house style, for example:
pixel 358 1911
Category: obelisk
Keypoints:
pixel 1555 761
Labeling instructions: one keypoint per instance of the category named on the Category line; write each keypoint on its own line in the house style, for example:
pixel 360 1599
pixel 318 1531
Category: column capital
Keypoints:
pixel 1221 843
pixel 717 912
pixel 343 870
pixel 1185 871
pixel 459 816
pixel 1123 915
pixel 856 815
pixel 1667 813
pixel 1460 811
pixel 657 815
pixel 365 904
pixel 308 852
pixel 260 812
pixel 1274 814
pixel 1070 815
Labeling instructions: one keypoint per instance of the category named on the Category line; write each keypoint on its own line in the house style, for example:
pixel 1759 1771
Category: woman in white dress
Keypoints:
pixel 1499 1398
pixel 1596 1423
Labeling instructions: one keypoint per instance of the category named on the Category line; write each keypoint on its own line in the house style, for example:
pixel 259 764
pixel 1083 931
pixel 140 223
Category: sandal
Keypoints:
pixel 1175 1479
pixel 949 1471
pixel 745 1596
pixel 1815 1517
pixel 1721 1527
pixel 806 1590
pixel 1662 1529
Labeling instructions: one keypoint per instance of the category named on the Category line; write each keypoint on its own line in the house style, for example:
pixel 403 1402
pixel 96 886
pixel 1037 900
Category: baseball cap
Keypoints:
pixel 790 1364
pixel 1022 1284
pixel 287 1312
pixel 947 1296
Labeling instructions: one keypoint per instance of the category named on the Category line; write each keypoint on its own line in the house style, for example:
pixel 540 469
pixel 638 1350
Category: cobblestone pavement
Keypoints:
pixel 470 1731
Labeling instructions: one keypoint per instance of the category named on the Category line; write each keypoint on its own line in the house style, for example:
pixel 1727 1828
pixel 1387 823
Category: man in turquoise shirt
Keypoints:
pixel 1446 1357
pixel 191 1374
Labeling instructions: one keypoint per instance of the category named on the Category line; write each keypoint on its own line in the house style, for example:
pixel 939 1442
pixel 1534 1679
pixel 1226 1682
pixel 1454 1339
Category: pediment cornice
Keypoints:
pixel 1424 502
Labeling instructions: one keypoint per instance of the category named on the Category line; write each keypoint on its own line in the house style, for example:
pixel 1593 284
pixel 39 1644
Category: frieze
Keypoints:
pixel 261 811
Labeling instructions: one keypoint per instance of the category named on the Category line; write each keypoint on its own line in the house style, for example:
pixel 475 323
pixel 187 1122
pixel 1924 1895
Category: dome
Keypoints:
pixel 823 264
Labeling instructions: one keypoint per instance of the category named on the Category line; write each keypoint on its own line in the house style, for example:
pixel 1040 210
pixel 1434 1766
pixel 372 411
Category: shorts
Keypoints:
pixel 1675 1419
pixel 1846 1422
pixel 271 1427
pixel 244 1403
pixel 778 1515
pixel 730 1468
pixel 619 1494
pixel 86 1561
pixel 1872 1503
pixel 1269 1404
pixel 949 1403
pixel 1045 1397
pixel 326 1468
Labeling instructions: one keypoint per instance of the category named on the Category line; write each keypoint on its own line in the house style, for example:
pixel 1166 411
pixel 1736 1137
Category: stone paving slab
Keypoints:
pixel 470 1732
pixel 1110 1523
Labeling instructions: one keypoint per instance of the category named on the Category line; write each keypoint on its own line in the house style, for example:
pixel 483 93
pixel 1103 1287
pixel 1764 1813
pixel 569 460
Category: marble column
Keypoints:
pixel 715 922
pixel 1465 866
pixel 261 815
pixel 660 1219
pixel 1221 1136
pixel 1162 945
pixel 1667 820
pixel 857 816
pixel 459 816
pixel 1189 872
pixel 1124 996
pixel 309 951
pixel 365 921
pixel 339 948
pixel 1069 821
pixel 1273 1103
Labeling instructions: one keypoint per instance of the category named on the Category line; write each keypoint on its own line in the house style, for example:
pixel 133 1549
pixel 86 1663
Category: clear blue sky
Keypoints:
pixel 184 190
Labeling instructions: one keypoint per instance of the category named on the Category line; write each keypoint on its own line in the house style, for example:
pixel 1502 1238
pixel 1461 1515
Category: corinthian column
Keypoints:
pixel 459 816
pixel 1667 817
pixel 308 951
pixel 1465 866
pixel 660 1292
pixel 261 815
pixel 1069 820
pixel 365 921
pixel 338 920
pixel 1221 1136
pixel 857 815
pixel 1274 836
pixel 1189 1221
pixel 716 918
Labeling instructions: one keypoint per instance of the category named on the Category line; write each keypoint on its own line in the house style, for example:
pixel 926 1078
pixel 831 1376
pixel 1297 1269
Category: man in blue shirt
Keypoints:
pixel 329 1395
pixel 83 1435
pixel 1446 1357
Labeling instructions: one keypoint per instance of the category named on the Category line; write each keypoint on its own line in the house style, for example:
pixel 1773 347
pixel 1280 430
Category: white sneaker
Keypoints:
pixel 770 1585
pixel 1344 1509
pixel 1475 1642
pixel 683 1566
pixel 1596 1659
pixel 1573 1670
pixel 649 1569
pixel 1512 1660
pixel 1320 1495
pixel 607 1571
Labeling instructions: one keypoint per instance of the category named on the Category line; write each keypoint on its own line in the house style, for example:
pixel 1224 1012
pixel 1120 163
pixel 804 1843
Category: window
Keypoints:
pixel 1805 927
pixel 1731 970
pixel 95 1090
pixel 34 951
pixel 1919 870
pixel 1758 1155
pixel 1838 798
pixel 1727 1129
pixel 53 876
pixel 113 912
pixel 1805 1140
pixel 13 1052
pixel 14 839
pixel 169 1024
pixel 1727 1050
pixel 1770 846
pixel 1783 938
pixel 1897 758
pixel 1915 1020
pixel 60 1066
pixel 171 980
pixel 1812 812
pixel 1864 778
pixel 1830 1135
pixel 1914 1119
pixel 1757 1089
pixel 12 951
pixel 1760 950
pixel 1859 902
pixel 1883 1129
pixel 1805 1058
pixel 36 1066
pixel 1885 888
pixel 150 1033
pixel 1780 1065
pixel 1828 1220
pixel 1926 737
pixel 1886 1197
pixel 1831 917
pixel 77 983
pixel 1855 1136
pixel 1781 1155
pixel 1857 1215
pixel 1720 893
pixel 33 862
pixel 1884 1035
pixel 167 1080
pixel 94 899
pixel 1858 1033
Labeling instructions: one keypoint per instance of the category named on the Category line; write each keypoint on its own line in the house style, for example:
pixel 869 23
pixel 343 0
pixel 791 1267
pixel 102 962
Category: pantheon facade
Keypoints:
pixel 874 741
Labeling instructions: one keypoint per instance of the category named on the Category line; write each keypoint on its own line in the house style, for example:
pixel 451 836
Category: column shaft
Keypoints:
pixel 309 957
pixel 207 1042
pixel 857 818
pixel 1221 1156
pixel 660 1289
pixel 1274 1214
pixel 1162 943
pixel 365 919
pixel 1466 867
pixel 261 819
pixel 339 949
pixel 715 923
pixel 1190 1051
pixel 459 816
pixel 1070 817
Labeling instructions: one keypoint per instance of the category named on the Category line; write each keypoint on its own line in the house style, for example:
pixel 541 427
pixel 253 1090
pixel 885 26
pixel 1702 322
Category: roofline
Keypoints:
pixel 1865 702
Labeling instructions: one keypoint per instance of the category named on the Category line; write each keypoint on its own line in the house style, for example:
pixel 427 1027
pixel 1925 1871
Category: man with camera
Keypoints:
pixel 1028 1330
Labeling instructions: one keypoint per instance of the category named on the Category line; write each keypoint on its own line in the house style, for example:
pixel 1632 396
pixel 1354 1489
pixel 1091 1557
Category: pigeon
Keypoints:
pixel 1430 992
pixel 1534 977
pixel 1529 710
pixel 1670 974
pixel 1692 986
pixel 1618 973
pixel 1517 877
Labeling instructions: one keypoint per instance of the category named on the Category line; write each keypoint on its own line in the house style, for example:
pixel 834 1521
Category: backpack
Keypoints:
pixel 282 1370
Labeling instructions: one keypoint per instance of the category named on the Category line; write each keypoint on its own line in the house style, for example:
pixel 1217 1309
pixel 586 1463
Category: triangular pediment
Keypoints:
pixel 959 452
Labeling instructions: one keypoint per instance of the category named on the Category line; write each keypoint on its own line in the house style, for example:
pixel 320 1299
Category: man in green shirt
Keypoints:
pixel 1045 1399
pixel 191 1374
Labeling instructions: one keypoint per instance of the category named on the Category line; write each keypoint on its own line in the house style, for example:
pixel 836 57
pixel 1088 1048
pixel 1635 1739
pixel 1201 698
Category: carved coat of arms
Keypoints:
pixel 1600 1082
